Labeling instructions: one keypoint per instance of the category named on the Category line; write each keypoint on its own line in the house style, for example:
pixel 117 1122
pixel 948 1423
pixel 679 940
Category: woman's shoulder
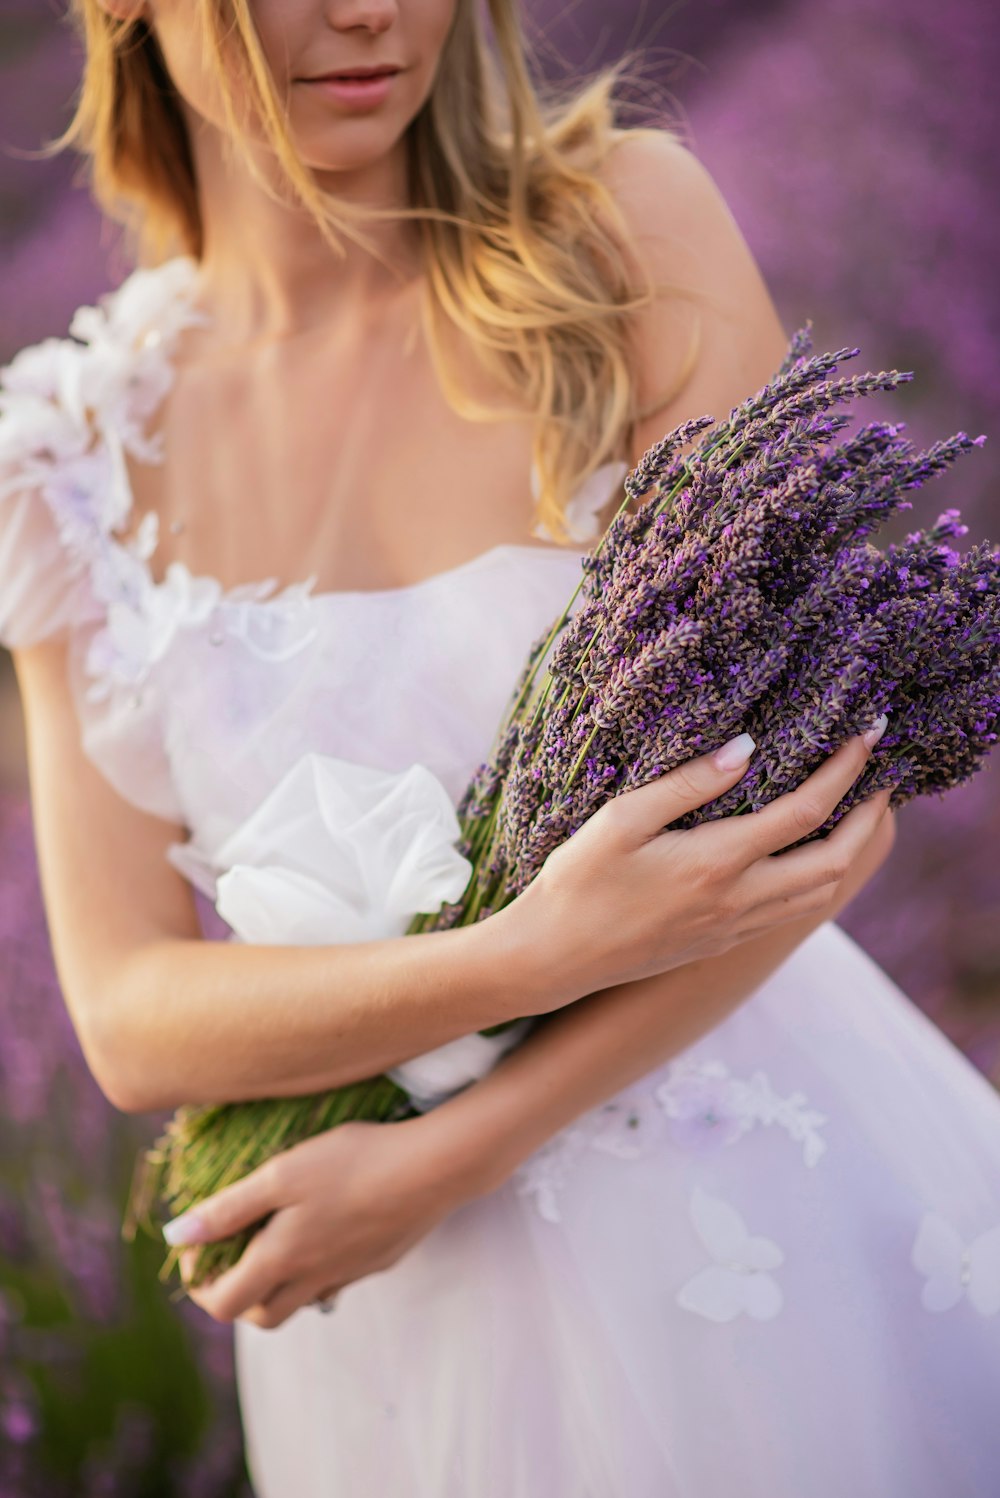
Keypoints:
pixel 661 185
pixel 711 333
pixel 70 408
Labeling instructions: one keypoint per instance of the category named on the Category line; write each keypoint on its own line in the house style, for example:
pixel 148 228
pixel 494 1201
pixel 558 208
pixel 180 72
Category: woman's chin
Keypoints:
pixel 359 143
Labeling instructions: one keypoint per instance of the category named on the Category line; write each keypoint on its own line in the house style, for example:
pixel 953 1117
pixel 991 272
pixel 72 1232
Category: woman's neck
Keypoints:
pixel 267 272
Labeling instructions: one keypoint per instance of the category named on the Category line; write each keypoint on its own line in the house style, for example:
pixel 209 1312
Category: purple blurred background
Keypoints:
pixel 855 146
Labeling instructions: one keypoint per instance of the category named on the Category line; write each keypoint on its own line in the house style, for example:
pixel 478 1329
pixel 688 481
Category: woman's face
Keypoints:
pixel 336 126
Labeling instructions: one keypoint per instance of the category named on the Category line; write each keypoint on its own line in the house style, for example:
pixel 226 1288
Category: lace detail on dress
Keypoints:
pixel 707 1106
pixel 72 408
pixel 700 1106
pixel 276 633
pixel 626 1130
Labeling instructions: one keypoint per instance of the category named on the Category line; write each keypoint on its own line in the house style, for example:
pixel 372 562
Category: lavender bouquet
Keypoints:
pixel 736 589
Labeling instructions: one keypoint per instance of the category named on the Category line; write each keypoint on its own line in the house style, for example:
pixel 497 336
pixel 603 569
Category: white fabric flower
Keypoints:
pixel 157 301
pixel 628 1128
pixel 124 388
pixel 547 1172
pixel 35 370
pixel 708 1108
pixel 703 1110
pixel 147 534
pixel 127 338
pixel 70 411
pixel 44 420
pixel 584 508
pixel 141 621
pixel 341 852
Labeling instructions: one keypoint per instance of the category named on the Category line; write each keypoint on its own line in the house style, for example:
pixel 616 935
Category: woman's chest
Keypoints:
pixel 353 467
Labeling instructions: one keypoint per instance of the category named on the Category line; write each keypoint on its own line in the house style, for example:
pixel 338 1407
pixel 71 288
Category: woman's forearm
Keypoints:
pixel 198 1021
pixel 576 1059
pixel 580 1056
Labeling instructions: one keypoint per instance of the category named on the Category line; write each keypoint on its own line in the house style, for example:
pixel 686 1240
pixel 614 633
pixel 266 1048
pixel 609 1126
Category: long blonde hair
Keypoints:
pixel 522 242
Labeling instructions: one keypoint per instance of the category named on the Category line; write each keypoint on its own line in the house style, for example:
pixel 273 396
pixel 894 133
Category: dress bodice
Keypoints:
pixel 386 679
pixel 194 699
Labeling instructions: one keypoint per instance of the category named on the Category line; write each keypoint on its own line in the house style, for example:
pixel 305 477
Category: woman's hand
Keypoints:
pixel 342 1205
pixel 622 899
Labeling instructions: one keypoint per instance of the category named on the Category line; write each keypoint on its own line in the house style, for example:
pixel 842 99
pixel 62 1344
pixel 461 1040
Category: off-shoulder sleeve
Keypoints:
pixel 70 408
pixel 67 409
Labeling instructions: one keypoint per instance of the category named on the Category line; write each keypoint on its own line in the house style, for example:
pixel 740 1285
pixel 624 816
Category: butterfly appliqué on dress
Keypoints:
pixel 738 1281
pixel 955 1270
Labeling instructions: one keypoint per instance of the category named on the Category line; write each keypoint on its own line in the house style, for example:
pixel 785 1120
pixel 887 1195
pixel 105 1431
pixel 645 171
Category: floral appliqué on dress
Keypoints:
pixel 700 1106
pixel 707 1107
pixel 72 409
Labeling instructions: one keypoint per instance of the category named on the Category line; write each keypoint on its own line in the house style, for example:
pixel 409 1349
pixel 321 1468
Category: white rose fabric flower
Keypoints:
pixel 339 852
pixel 343 852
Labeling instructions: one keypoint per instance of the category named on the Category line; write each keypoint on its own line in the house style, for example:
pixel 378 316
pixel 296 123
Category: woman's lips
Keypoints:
pixel 358 92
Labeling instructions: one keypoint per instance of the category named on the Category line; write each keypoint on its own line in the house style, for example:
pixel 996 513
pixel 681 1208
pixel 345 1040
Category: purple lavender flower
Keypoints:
pixel 742 592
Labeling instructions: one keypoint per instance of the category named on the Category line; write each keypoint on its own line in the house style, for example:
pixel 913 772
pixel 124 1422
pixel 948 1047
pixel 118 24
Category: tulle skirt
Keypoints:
pixel 768 1269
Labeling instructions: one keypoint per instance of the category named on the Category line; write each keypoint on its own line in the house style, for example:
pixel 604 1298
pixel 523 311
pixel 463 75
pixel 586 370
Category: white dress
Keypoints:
pixel 768 1269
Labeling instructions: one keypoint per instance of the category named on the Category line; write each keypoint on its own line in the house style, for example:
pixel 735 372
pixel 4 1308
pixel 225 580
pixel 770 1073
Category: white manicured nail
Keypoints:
pixel 188 1228
pixel 735 753
pixel 876 731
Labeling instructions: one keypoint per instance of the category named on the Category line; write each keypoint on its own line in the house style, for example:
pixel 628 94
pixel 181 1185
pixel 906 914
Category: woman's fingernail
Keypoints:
pixel 735 753
pixel 876 731
pixel 188 1228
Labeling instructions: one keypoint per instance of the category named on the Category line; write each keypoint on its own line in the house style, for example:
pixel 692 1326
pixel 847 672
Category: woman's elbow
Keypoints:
pixel 119 1058
pixel 120 1078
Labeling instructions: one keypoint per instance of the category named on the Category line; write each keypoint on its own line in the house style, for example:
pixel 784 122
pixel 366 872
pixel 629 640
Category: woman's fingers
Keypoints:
pixel 258 1274
pixel 644 812
pixel 285 1301
pixel 825 861
pixel 234 1207
pixel 797 813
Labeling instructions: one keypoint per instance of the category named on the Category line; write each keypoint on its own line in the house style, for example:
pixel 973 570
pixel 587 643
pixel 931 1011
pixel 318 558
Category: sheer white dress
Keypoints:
pixel 768 1269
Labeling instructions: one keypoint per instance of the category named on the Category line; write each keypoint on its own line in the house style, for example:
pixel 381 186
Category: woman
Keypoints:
pixel 698 1233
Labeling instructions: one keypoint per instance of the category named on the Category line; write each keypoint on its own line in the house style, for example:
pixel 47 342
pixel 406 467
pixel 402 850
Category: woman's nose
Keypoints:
pixel 374 15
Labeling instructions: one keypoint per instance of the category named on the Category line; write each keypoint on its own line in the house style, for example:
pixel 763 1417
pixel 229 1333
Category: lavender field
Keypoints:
pixel 855 146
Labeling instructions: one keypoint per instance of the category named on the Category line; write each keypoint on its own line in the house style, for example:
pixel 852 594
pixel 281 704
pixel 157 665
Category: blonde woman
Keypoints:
pixel 309 484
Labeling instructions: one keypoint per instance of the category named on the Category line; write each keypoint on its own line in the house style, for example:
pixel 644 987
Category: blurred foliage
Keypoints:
pixel 108 1388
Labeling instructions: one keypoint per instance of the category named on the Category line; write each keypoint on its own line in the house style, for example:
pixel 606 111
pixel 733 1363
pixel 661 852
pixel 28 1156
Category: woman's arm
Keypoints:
pixel 395 1182
pixel 576 1059
pixel 166 1018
